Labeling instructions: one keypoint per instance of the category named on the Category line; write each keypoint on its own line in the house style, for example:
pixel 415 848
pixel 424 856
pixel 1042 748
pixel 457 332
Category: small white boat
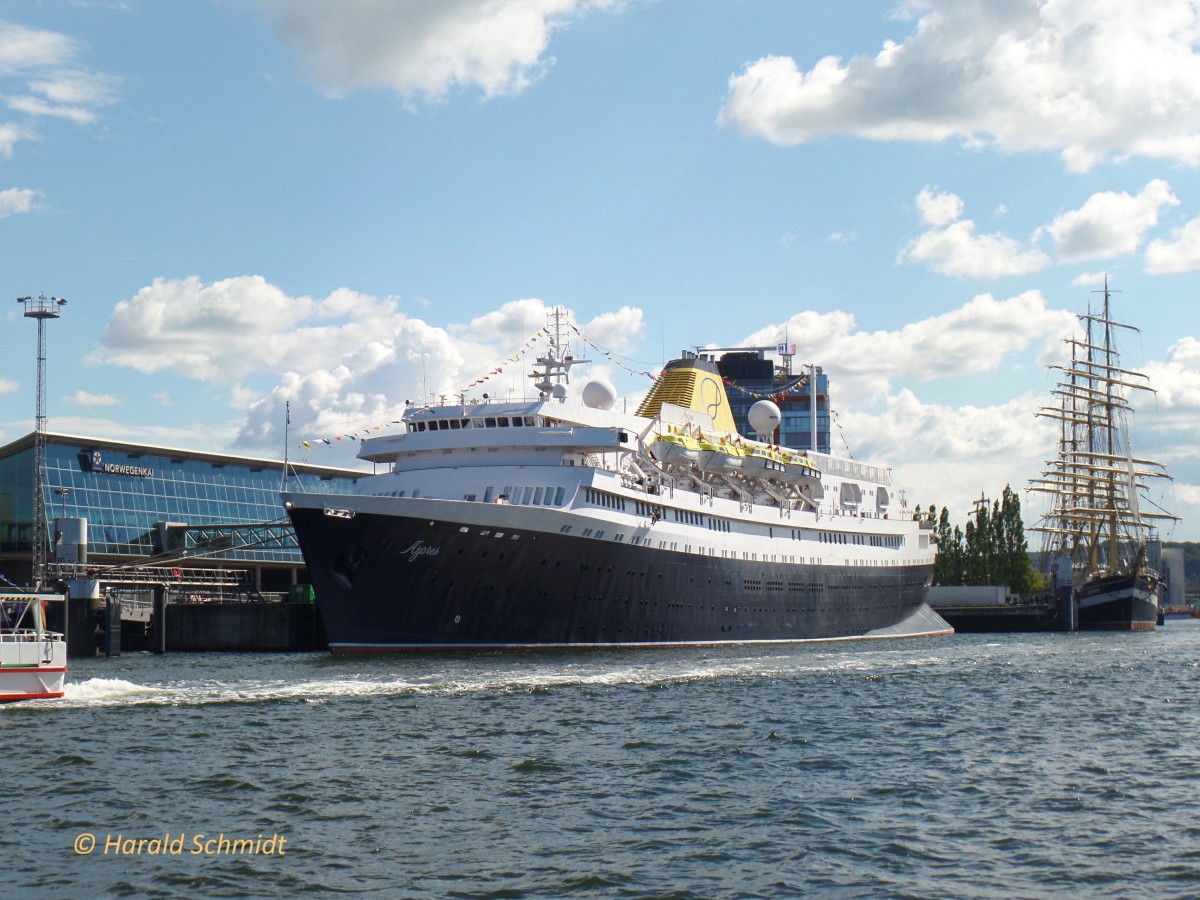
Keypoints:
pixel 719 457
pixel 798 469
pixel 763 462
pixel 675 449
pixel 33 659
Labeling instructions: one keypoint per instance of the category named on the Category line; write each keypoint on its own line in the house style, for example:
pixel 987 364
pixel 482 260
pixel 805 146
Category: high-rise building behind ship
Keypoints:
pixel 766 373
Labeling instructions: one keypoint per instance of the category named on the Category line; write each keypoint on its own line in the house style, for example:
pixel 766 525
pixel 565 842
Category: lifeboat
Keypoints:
pixel 763 462
pixel 675 449
pixel 719 457
pixel 798 469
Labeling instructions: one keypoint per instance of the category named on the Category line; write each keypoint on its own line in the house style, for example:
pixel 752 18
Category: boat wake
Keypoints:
pixel 377 679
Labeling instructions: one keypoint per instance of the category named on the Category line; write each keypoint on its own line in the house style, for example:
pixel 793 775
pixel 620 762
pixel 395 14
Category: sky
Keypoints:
pixel 339 207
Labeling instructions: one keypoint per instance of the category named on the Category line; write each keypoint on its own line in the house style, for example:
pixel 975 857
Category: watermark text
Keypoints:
pixel 180 845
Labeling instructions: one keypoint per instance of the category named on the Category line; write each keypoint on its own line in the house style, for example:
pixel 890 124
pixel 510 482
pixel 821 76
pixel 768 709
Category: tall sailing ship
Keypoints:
pixel 1100 534
pixel 561 521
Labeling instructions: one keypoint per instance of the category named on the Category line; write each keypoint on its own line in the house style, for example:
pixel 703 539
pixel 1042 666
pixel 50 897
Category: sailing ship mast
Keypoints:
pixel 1095 519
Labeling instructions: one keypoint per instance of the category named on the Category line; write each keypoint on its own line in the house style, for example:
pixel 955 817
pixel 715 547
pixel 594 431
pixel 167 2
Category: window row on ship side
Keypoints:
pixel 448 424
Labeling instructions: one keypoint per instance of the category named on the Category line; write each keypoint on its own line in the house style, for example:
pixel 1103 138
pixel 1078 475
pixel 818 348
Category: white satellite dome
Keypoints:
pixel 764 417
pixel 599 394
pixel 559 392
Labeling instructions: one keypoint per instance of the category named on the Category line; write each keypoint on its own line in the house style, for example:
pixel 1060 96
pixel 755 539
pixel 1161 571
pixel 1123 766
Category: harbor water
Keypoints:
pixel 968 766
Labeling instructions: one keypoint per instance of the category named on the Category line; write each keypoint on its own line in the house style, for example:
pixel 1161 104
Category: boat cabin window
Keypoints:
pixel 456 423
pixel 489 422
pixel 518 421
pixel 502 421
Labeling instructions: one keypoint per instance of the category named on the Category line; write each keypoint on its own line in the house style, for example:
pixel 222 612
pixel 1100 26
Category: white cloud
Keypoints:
pixel 425 48
pixel 87 398
pixel 76 88
pixel 1091 81
pixel 24 48
pixel 1109 223
pixel 8 386
pixel 938 209
pixel 1088 279
pixel 343 362
pixel 512 322
pixel 222 331
pixel 10 134
pixel 38 79
pixel 616 331
pixel 949 456
pixel 952 247
pixel 977 337
pixel 1179 254
pixel 1177 380
pixel 207 435
pixel 17 200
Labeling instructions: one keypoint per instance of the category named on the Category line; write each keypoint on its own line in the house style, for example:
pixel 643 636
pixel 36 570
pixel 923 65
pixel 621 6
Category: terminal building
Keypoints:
pixel 147 505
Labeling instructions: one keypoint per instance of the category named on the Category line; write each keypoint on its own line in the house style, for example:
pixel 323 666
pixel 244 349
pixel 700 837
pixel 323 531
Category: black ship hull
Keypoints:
pixel 393 583
pixel 1117 603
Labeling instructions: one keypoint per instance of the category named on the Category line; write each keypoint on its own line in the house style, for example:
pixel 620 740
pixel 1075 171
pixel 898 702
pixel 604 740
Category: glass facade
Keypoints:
pixel 128 492
pixel 754 380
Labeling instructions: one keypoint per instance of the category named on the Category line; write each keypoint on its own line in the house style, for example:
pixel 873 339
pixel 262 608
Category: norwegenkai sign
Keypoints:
pixel 94 462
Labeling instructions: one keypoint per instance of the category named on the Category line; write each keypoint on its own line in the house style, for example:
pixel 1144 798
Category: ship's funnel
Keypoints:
pixel 692 384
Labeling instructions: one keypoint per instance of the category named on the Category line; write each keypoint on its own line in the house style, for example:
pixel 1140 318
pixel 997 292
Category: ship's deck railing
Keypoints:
pixel 849 468
pixel 175 577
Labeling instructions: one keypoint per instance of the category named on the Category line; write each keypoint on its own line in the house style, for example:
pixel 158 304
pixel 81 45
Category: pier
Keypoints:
pixel 980 608
pixel 168 608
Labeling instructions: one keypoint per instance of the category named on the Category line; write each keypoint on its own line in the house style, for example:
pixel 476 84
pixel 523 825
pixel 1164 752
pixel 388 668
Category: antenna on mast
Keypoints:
pixel 287 424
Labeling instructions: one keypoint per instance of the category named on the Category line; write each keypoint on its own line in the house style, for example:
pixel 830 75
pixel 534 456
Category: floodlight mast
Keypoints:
pixel 41 308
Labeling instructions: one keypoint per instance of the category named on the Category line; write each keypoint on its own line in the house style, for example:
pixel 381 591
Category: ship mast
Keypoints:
pixel 1108 427
pixel 1094 517
pixel 552 370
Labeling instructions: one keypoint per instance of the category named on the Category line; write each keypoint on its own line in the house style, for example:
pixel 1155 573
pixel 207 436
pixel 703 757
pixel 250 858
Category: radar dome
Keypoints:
pixel 559 391
pixel 764 417
pixel 599 394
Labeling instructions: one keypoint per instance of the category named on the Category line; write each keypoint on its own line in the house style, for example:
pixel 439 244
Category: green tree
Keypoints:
pixel 979 550
pixel 992 548
pixel 947 569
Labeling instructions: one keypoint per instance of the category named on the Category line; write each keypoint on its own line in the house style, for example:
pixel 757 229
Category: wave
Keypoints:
pixel 243 682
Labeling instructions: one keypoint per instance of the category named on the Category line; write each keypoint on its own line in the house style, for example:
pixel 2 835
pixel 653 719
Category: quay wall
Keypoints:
pixel 260 627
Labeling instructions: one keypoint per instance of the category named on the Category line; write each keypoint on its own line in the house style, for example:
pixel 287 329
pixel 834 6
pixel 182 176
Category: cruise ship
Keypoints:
pixel 562 521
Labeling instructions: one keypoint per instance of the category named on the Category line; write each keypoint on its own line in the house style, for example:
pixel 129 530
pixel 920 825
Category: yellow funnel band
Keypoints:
pixel 693 384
